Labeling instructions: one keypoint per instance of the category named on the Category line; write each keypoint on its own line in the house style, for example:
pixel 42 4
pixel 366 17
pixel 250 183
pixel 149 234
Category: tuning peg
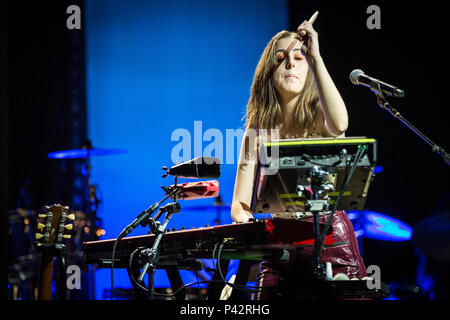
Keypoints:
pixel 71 217
pixel 42 215
pixel 67 236
pixel 39 235
pixel 69 226
pixel 40 226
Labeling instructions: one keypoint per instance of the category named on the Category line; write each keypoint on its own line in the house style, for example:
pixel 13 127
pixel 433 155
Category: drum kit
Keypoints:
pixel 87 221
pixel 22 275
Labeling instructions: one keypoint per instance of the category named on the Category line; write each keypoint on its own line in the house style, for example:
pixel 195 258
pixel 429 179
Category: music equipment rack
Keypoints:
pixel 249 242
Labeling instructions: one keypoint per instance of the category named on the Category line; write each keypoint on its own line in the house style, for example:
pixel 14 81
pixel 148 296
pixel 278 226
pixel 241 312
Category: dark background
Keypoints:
pixel 42 105
pixel 42 79
pixel 408 52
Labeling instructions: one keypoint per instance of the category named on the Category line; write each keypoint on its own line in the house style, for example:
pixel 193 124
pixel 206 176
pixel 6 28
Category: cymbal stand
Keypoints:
pixel 91 209
pixel 92 200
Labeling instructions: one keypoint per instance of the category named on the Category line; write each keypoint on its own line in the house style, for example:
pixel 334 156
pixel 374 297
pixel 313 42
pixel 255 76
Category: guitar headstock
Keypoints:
pixel 53 224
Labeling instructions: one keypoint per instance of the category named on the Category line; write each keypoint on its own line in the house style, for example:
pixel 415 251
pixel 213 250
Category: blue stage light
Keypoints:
pixel 378 226
pixel 378 169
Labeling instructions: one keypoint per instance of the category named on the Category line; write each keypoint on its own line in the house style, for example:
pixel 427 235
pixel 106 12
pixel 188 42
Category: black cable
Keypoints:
pixel 112 261
pixel 198 284
pixel 168 295
pixel 216 268
pixel 346 164
pixel 304 158
pixel 244 288
pixel 212 259
pixel 358 156
pixel 130 228
pixel 112 267
pixel 143 215
pixel 130 272
pixel 133 279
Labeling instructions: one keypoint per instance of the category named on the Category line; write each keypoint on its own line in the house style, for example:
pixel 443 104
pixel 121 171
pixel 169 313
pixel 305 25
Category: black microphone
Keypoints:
pixel 141 218
pixel 200 167
pixel 358 77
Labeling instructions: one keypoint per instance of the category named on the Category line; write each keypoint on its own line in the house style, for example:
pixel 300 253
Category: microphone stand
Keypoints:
pixel 151 255
pixel 143 219
pixel 383 103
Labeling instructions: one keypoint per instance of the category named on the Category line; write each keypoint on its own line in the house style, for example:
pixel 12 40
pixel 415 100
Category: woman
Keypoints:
pixel 293 93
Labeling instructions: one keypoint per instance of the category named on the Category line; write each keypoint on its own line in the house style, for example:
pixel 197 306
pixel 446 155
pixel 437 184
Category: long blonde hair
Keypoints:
pixel 263 108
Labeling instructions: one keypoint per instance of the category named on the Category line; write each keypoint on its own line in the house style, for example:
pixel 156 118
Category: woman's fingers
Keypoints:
pixel 309 37
pixel 301 28
pixel 306 30
pixel 313 18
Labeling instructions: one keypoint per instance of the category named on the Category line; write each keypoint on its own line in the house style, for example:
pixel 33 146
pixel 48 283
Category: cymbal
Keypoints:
pixel 84 153
pixel 378 226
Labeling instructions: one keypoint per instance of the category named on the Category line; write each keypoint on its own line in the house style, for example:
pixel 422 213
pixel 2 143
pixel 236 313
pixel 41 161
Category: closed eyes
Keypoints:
pixel 281 56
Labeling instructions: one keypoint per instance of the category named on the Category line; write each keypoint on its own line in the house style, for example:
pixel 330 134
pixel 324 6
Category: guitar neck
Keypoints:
pixel 45 277
pixel 52 226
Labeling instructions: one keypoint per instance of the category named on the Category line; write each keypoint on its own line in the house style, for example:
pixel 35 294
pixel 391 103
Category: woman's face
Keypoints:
pixel 291 67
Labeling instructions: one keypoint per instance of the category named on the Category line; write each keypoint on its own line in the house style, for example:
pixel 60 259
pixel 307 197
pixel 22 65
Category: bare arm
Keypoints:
pixel 333 107
pixel 321 127
pixel 243 187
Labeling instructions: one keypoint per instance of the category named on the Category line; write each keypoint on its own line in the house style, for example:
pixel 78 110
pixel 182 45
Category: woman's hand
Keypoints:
pixel 241 216
pixel 240 212
pixel 310 41
pixel 333 107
